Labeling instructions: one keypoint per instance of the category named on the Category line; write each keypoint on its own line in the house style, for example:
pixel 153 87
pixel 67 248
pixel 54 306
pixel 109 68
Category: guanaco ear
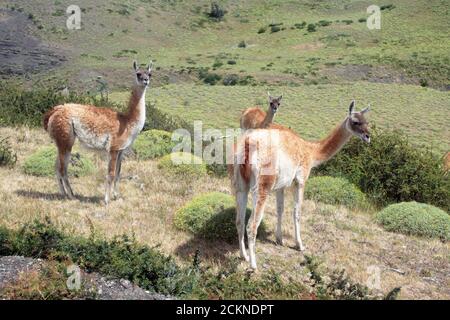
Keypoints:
pixel 366 109
pixel 135 65
pixel 279 98
pixel 150 66
pixel 352 106
pixel 269 97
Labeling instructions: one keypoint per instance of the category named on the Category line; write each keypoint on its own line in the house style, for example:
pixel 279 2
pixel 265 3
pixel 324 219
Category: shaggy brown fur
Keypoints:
pixel 97 128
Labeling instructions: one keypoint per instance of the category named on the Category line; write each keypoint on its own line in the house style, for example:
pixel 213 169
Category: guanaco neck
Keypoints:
pixel 326 148
pixel 136 104
pixel 268 119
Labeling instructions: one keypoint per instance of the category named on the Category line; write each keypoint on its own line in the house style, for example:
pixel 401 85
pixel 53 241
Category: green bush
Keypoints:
pixel 275 28
pixel 390 170
pixel 217 12
pixel 7 156
pixel 324 23
pixel 300 25
pixel 262 30
pixel 332 190
pixel 242 44
pixel 311 27
pixel 415 218
pixel 189 165
pixel 211 216
pixel 159 120
pixel 231 80
pixel 208 77
pixel 42 163
pixel 27 107
pixel 153 144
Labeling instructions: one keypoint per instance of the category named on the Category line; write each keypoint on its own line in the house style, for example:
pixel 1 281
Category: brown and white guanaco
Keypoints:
pixel 275 158
pixel 254 118
pixel 99 129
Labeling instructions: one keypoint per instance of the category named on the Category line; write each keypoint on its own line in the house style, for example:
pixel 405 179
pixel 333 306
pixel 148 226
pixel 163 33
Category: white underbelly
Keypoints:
pixel 286 172
pixel 90 139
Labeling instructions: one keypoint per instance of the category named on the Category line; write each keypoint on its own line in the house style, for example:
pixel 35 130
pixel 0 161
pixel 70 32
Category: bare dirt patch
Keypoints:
pixel 309 46
pixel 20 52
pixel 377 74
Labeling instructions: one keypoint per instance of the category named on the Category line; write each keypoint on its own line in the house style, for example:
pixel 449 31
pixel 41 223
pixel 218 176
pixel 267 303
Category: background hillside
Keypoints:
pixel 400 70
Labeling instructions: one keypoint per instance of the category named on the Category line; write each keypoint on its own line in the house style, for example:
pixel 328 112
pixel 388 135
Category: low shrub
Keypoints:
pixel 7 156
pixel 324 23
pixel 262 30
pixel 208 77
pixel 300 25
pixel 229 283
pixel 242 44
pixel 19 106
pixel 159 120
pixel 42 163
pixel 413 218
pixel 121 257
pixel 337 191
pixel 311 27
pixel 347 22
pixel 185 164
pixel 217 64
pixel 392 170
pixel 153 144
pixel 211 216
pixel 217 12
pixel 231 80
pixel 275 28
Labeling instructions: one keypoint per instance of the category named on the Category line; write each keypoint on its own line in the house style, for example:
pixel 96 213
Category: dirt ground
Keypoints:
pixel 20 52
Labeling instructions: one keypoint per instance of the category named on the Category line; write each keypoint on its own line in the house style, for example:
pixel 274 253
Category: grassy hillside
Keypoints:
pixel 314 110
pixel 411 46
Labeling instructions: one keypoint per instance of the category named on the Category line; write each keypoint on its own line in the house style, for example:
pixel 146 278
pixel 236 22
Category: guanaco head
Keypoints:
pixel 143 75
pixel 357 123
pixel 274 103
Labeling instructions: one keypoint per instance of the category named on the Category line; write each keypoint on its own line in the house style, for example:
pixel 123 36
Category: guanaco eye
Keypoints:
pixel 356 123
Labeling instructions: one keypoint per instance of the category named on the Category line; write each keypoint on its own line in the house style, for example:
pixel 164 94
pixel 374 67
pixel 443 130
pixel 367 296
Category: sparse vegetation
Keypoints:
pixel 262 30
pixel 336 191
pixel 153 144
pixel 27 107
pixel 7 155
pixel 391 169
pixel 183 164
pixel 211 216
pixel 413 218
pixel 242 44
pixel 42 163
pixel 311 27
pixel 217 12
pixel 121 257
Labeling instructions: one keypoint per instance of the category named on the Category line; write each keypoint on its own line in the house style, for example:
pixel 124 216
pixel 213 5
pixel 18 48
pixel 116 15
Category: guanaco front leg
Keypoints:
pixel 298 199
pixel 117 178
pixel 111 174
pixel 280 210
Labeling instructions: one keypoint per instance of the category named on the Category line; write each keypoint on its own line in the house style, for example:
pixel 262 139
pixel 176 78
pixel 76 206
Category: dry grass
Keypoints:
pixel 341 238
